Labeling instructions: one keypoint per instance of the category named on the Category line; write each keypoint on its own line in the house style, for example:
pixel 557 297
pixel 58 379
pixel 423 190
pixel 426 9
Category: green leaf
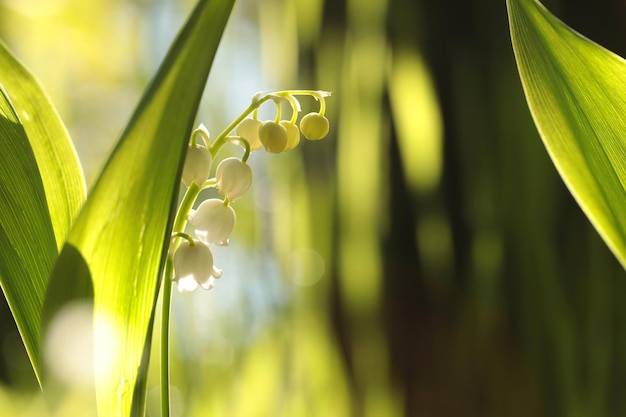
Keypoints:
pixel 575 91
pixel 41 191
pixel 120 239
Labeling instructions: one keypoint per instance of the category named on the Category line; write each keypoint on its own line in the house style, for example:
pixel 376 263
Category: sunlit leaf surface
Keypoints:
pixel 41 191
pixel 120 235
pixel 575 91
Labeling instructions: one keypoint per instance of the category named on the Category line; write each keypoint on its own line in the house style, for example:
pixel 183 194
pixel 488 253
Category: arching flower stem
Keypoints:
pixel 184 236
pixel 257 101
pixel 238 140
pixel 279 109
pixel 319 96
pixel 203 134
pixel 295 108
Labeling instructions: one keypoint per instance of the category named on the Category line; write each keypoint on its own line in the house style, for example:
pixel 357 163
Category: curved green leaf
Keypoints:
pixel 575 91
pixel 120 239
pixel 41 191
pixel 56 157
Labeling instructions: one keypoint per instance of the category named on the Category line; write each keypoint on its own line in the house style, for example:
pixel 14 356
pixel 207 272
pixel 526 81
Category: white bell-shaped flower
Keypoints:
pixel 197 166
pixel 314 126
pixel 233 177
pixel 249 130
pixel 293 135
pixel 214 221
pixel 273 136
pixel 193 266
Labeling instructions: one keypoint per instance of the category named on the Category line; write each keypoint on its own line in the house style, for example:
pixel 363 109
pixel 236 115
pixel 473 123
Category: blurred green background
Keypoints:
pixel 423 260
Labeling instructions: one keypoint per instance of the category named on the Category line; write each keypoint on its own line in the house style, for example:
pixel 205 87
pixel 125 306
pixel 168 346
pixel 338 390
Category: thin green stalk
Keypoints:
pixel 179 225
pixel 165 339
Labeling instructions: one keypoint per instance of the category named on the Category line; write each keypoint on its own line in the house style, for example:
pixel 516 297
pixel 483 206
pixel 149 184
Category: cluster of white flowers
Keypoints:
pixel 214 219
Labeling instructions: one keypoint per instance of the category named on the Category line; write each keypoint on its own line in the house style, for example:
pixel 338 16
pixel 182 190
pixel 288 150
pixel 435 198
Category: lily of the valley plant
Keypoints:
pixel 213 221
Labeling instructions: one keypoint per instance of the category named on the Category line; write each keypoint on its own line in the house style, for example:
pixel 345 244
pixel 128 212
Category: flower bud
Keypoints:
pixel 233 177
pixel 214 221
pixel 293 135
pixel 193 265
pixel 197 166
pixel 314 126
pixel 273 136
pixel 249 130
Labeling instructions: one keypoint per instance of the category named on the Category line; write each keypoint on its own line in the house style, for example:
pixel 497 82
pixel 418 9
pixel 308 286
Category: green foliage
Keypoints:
pixel 575 91
pixel 42 188
pixel 122 231
pixel 117 245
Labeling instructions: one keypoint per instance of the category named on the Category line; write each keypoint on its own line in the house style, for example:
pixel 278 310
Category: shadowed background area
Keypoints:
pixel 423 260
